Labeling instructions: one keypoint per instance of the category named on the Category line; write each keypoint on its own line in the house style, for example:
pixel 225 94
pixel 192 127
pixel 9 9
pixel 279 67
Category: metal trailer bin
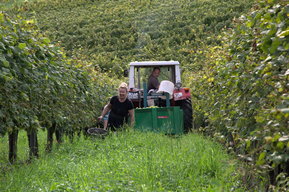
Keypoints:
pixel 168 120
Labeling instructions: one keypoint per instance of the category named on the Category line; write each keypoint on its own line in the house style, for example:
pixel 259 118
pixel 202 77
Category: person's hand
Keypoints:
pixel 100 118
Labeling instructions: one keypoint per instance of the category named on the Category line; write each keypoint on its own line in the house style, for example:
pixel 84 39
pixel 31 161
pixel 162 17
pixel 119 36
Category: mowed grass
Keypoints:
pixel 125 161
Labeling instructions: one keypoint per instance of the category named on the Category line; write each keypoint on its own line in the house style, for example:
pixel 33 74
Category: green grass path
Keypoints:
pixel 126 161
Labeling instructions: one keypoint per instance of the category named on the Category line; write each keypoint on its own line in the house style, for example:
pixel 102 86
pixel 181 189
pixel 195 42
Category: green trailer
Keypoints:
pixel 168 120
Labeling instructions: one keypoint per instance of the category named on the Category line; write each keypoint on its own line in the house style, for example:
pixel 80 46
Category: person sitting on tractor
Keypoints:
pixel 120 108
pixel 153 82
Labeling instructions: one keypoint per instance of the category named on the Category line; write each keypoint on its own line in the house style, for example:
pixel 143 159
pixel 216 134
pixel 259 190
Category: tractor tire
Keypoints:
pixel 186 106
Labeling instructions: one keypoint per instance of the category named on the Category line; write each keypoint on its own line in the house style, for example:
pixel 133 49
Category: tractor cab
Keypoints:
pixel 139 73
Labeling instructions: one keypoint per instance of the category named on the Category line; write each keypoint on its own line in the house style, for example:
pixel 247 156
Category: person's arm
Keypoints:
pixel 131 114
pixel 106 109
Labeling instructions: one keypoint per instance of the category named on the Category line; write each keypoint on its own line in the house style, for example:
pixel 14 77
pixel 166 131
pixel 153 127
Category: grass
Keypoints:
pixel 23 150
pixel 126 161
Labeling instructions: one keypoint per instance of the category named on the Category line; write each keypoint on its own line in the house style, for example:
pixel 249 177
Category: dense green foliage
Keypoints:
pixel 128 161
pixel 238 71
pixel 39 86
pixel 113 33
pixel 8 4
pixel 243 93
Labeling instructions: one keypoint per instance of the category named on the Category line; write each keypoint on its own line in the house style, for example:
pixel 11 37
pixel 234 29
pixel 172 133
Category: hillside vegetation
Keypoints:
pixel 43 89
pixel 242 95
pixel 236 66
pixel 110 34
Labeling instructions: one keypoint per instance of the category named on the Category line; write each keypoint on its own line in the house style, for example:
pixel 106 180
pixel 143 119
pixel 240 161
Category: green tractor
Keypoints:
pixel 170 94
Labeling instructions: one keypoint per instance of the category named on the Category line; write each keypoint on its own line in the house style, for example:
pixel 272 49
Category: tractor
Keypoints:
pixel 170 93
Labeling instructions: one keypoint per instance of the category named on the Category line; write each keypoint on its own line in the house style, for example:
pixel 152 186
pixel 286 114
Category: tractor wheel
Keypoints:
pixel 186 106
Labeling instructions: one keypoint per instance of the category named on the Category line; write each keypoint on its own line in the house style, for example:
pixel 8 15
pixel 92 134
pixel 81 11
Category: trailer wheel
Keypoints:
pixel 186 106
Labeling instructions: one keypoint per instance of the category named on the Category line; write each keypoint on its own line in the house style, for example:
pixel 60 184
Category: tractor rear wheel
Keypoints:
pixel 186 106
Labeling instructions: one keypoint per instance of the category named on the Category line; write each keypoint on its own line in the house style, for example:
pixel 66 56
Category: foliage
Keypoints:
pixel 244 91
pixel 239 77
pixel 128 161
pixel 110 34
pixel 40 86
pixel 8 4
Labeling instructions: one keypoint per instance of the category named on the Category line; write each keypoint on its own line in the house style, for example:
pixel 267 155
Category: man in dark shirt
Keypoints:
pixel 153 82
